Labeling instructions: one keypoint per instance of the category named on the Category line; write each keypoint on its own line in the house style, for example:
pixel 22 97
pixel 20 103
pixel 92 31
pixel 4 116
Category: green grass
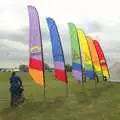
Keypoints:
pixel 88 102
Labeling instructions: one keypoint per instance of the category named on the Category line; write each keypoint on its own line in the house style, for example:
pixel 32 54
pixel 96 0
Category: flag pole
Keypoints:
pixel 56 53
pixel 67 87
pixel 43 63
pixel 43 72
pixel 38 33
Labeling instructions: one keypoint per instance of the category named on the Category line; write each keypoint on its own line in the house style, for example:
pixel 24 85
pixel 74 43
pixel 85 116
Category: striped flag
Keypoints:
pixel 36 65
pixel 57 50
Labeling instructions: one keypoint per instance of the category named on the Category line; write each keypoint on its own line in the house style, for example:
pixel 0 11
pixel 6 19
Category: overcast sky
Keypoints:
pixel 99 18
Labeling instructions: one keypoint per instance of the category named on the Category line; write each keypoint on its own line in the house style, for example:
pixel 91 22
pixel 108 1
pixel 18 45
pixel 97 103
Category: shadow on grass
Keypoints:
pixel 88 94
pixel 47 105
pixel 10 114
pixel 32 108
pixel 82 97
pixel 96 92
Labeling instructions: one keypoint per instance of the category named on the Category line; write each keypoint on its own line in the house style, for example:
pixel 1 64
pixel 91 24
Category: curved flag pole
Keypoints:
pixel 67 87
pixel 43 66
pixel 36 60
pixel 58 55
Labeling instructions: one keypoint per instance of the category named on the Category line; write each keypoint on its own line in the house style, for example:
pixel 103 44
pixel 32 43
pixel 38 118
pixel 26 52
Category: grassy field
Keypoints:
pixel 88 102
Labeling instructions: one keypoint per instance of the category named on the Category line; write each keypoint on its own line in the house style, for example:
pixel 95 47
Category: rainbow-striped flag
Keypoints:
pixel 95 58
pixel 36 65
pixel 86 55
pixel 57 50
pixel 76 53
pixel 102 59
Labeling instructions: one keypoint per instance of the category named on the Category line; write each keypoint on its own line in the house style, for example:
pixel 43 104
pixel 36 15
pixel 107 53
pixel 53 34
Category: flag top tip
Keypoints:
pixel 30 6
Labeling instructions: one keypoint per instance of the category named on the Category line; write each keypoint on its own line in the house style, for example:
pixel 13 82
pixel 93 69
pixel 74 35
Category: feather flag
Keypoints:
pixel 58 56
pixel 76 53
pixel 87 60
pixel 36 65
pixel 102 59
pixel 95 58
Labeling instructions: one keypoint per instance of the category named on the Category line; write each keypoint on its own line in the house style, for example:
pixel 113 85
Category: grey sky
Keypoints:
pixel 99 18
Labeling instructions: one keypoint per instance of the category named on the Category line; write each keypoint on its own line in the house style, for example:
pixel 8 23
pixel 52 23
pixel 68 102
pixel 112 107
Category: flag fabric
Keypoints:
pixel 76 53
pixel 102 59
pixel 57 50
pixel 87 60
pixel 36 64
pixel 95 58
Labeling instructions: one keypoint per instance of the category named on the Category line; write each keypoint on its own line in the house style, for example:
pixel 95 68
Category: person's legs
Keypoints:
pixel 22 98
pixel 14 96
pixel 11 99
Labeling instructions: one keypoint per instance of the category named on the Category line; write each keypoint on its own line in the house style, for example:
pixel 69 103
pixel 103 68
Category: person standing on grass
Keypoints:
pixel 16 88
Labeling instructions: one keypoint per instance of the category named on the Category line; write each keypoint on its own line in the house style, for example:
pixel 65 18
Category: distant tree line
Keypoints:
pixel 24 67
